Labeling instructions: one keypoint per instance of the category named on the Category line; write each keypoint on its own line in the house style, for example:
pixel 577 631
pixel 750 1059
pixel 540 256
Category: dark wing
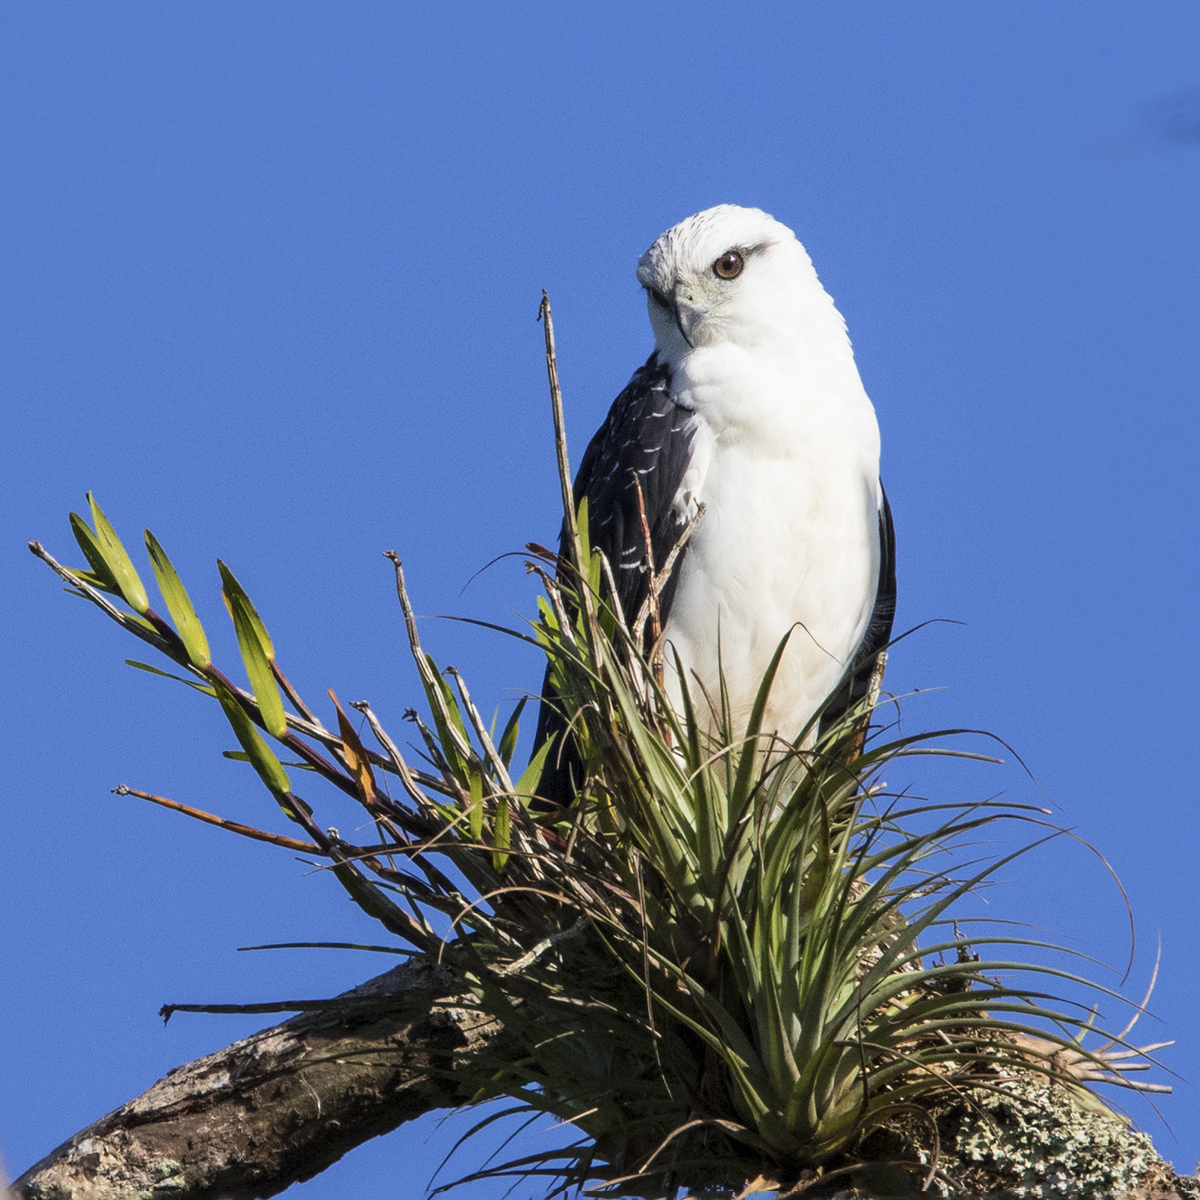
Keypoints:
pixel 645 436
pixel 879 629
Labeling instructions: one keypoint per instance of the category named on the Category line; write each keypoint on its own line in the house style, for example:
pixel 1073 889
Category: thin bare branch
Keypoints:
pixel 208 818
pixel 294 696
pixel 667 568
pixel 560 439
pixel 481 731
pixel 431 681
pixel 656 628
pixel 408 777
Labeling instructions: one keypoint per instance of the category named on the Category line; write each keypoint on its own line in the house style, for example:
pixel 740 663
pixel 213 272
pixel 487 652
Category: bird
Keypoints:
pixel 751 406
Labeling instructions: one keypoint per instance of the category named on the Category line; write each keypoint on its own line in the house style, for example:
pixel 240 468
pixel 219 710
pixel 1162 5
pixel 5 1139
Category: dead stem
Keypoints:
pixel 560 439
pixel 433 685
pixel 668 568
pixel 259 835
pixel 481 731
pixel 656 631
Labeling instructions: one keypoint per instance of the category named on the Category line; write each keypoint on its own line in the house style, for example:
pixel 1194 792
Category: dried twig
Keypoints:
pixel 259 835
pixel 481 731
pixel 668 567
pixel 432 684
pixel 408 777
pixel 556 602
pixel 656 664
pixel 560 439
pixel 294 697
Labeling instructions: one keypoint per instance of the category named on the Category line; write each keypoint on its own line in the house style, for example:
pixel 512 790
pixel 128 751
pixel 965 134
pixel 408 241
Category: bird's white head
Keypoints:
pixel 731 275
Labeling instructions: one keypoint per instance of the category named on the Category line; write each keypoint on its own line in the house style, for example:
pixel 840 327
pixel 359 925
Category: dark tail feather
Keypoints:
pixel 857 683
pixel 562 773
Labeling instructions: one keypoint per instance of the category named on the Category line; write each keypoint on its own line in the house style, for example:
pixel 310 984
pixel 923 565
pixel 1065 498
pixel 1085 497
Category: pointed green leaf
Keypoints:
pixel 141 666
pixel 270 769
pixel 591 568
pixel 549 619
pixel 750 753
pixel 508 739
pixel 328 946
pixel 475 812
pixel 231 587
pixel 447 720
pixel 503 832
pixel 258 669
pixel 101 577
pixel 93 580
pixel 179 605
pixel 242 756
pixel 117 560
pixel 585 538
pixel 448 696
pixel 527 785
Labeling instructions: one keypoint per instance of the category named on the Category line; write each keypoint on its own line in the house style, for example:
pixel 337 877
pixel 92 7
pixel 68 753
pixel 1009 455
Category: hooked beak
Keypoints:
pixel 687 313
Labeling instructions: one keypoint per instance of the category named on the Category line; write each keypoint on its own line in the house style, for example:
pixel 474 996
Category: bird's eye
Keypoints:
pixel 729 265
pixel 659 298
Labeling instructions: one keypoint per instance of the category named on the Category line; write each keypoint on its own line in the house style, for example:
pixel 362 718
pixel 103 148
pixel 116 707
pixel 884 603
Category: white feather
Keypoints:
pixel 785 458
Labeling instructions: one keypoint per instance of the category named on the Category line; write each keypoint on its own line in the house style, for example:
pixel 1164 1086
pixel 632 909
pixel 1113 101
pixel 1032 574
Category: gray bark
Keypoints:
pixel 279 1107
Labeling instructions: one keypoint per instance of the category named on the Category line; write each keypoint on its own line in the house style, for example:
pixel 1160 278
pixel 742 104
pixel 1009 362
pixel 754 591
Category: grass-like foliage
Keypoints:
pixel 729 962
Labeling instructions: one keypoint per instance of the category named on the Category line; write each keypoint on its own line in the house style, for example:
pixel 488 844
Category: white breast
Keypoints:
pixel 786 460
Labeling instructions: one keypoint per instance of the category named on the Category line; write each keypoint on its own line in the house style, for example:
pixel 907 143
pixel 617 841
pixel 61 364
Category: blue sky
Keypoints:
pixel 269 285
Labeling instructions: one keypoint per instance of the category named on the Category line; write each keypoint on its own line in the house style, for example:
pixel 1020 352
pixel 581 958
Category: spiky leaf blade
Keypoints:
pixel 255 658
pixel 102 577
pixel 179 605
pixel 192 683
pixel 475 805
pixel 527 785
pixel 502 833
pixel 355 754
pixel 512 728
pixel 231 587
pixel 269 768
pixel 116 559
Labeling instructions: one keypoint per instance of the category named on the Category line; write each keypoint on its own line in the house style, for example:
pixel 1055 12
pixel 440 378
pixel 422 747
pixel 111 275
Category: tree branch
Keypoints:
pixel 281 1106
pixel 278 1107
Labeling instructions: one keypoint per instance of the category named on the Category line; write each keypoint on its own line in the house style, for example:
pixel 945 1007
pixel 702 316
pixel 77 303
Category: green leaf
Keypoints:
pixel 591 568
pixel 242 756
pixel 447 720
pixel 179 605
pixel 475 812
pixel 101 577
pixel 116 559
pixel 231 587
pixel 254 656
pixel 371 899
pixel 328 946
pixel 200 687
pixel 448 697
pixel 532 775
pixel 582 520
pixel 270 769
pixel 508 739
pixel 93 580
pixel 549 619
pixel 750 751
pixel 502 831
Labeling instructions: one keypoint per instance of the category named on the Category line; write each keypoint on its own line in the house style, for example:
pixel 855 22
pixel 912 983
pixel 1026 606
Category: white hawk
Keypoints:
pixel 752 405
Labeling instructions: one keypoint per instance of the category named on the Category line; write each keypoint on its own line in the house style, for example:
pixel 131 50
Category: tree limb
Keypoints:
pixel 278 1107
